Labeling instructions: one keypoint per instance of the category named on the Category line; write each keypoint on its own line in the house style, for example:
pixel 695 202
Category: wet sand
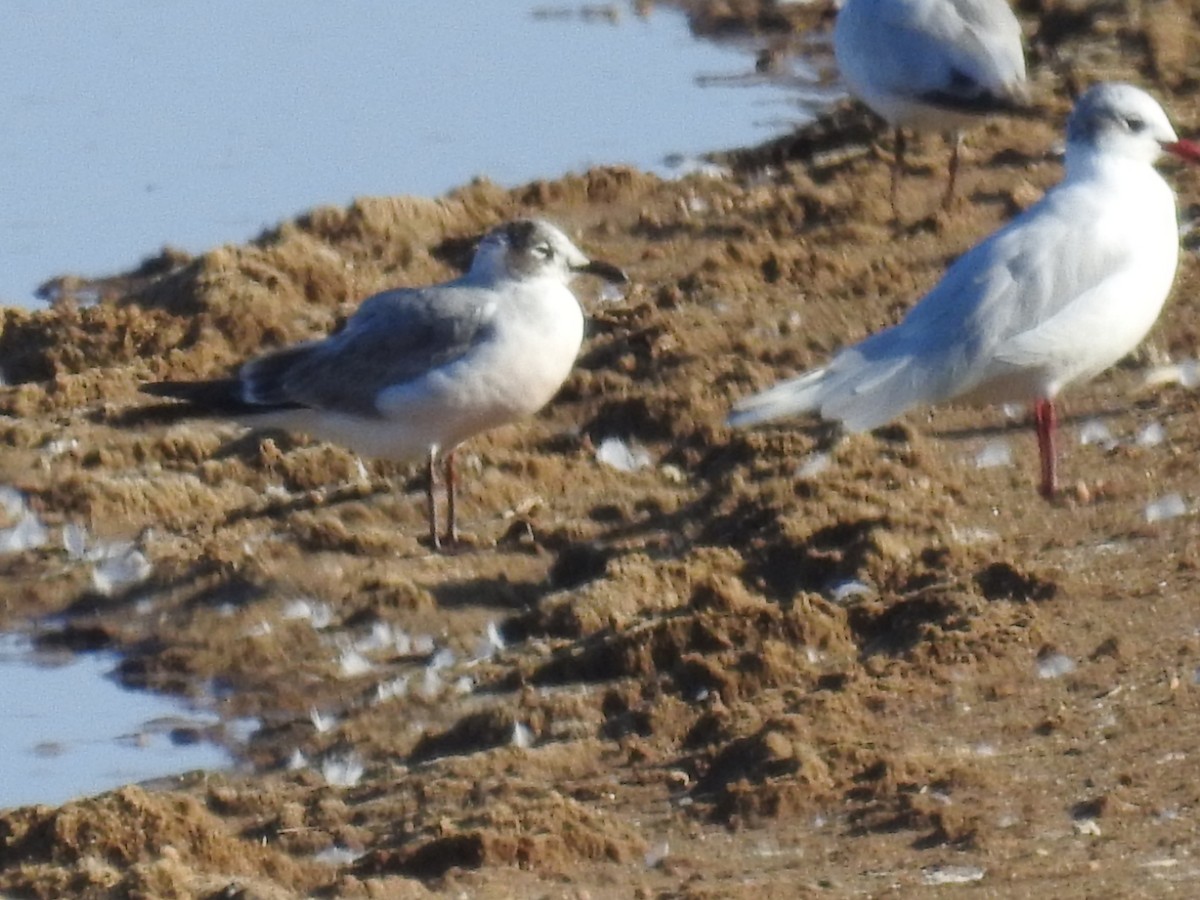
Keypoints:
pixel 761 665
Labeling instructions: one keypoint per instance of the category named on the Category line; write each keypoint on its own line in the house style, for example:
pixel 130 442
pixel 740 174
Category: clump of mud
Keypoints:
pixel 752 660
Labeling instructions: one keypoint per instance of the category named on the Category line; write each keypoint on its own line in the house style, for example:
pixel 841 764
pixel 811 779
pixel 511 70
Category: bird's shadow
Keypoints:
pixel 1073 419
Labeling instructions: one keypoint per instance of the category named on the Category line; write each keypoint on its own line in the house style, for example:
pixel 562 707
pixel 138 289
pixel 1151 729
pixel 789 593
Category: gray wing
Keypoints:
pixel 394 337
pixel 962 54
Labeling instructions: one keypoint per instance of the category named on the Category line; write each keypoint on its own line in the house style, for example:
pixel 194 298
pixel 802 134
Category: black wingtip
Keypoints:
pixel 220 397
pixel 964 97
pixel 601 269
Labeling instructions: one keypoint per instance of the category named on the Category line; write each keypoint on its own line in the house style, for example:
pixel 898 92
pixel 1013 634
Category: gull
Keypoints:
pixel 417 371
pixel 932 65
pixel 1058 295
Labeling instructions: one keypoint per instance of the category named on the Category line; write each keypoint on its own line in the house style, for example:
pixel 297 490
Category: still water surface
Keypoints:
pixel 68 729
pixel 133 124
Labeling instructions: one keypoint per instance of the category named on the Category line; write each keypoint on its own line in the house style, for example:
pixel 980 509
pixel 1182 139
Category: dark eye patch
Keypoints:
pixel 1136 124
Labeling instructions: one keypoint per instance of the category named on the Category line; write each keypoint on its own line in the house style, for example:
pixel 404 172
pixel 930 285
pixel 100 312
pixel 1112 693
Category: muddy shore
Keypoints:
pixel 759 665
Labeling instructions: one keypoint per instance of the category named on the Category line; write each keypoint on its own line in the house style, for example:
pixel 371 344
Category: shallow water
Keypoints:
pixel 70 730
pixel 133 124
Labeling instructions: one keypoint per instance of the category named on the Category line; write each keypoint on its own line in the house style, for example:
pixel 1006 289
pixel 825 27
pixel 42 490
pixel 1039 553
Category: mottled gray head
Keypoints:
pixel 533 248
pixel 1121 120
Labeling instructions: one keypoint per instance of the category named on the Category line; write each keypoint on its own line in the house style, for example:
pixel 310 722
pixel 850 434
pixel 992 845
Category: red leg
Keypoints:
pixel 431 493
pixel 451 504
pixel 1046 422
pixel 954 153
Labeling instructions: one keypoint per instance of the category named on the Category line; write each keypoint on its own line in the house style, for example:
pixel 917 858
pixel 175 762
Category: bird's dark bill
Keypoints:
pixel 604 270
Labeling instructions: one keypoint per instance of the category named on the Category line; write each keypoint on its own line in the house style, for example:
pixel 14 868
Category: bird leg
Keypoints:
pixel 955 150
pixel 451 490
pixel 435 540
pixel 897 165
pixel 1046 422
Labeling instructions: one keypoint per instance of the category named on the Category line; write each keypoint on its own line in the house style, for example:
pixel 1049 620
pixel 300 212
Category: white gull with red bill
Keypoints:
pixel 1056 296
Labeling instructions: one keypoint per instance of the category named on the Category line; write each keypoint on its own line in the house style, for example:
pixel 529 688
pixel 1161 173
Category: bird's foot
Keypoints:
pixel 1079 493
pixel 453 543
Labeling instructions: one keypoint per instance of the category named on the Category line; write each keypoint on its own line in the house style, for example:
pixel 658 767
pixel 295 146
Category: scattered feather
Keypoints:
pixel 1093 431
pixel 443 659
pixel 343 771
pixel 490 643
pixel 360 471
pixel 522 737
pixel 318 614
pixel 12 502
pixel 27 534
pixel 813 465
pixel 59 446
pixel 1054 665
pixel 933 875
pixel 422 645
pixel 387 690
pixel 844 590
pixel 381 637
pixel 75 541
pixel 1152 435
pixel 611 293
pixel 973 535
pixel 321 722
pixel 431 683
pixel 120 571
pixel 352 664
pixel 297 761
pixel 1088 827
pixel 994 455
pixel 1185 374
pixel 401 642
pixel 337 856
pixel 1168 507
pixel 623 457
pixel 657 855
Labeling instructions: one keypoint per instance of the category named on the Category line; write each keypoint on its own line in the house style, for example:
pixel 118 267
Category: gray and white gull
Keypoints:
pixel 932 65
pixel 417 371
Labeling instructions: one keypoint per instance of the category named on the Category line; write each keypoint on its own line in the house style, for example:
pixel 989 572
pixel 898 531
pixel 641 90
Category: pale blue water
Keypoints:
pixel 68 730
pixel 132 124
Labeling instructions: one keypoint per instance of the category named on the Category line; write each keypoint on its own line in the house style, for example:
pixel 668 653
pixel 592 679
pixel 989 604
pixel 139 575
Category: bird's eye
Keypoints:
pixel 543 251
pixel 1135 124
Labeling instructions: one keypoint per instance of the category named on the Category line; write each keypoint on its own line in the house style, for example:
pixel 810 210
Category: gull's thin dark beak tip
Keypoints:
pixel 607 271
pixel 1184 149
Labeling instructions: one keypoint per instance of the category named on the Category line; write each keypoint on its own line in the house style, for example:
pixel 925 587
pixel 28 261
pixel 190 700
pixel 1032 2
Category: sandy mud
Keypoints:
pixel 757 664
